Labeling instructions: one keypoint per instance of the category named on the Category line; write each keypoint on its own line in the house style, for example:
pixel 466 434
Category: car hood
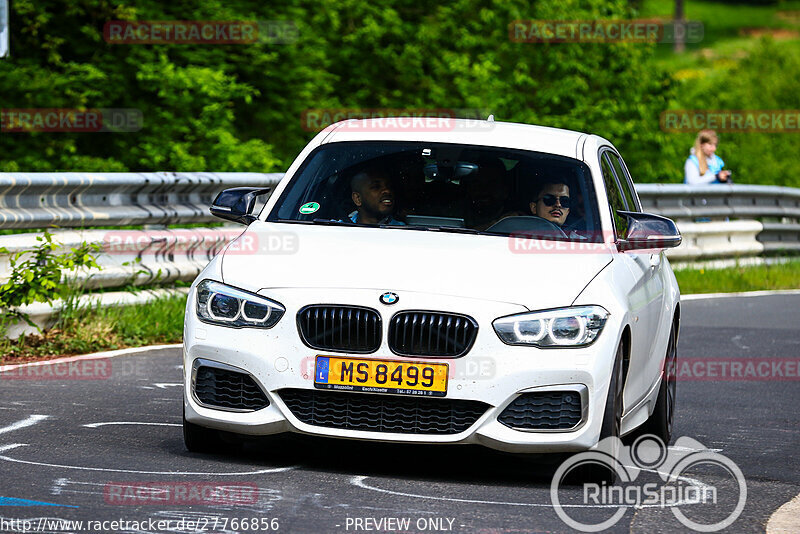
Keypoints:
pixel 530 273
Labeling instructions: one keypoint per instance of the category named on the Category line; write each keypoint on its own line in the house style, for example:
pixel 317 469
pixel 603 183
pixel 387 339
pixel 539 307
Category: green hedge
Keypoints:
pixel 239 107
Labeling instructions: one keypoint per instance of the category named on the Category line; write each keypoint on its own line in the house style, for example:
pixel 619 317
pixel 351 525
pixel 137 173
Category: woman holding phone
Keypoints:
pixel 703 166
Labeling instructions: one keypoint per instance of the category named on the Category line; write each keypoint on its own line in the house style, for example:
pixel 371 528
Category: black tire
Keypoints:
pixel 662 420
pixel 612 421
pixel 200 439
pixel 612 415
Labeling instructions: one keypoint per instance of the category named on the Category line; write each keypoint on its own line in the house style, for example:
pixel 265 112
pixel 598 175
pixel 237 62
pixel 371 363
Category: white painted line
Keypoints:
pixel 689 449
pixel 10 446
pixel 30 421
pixel 703 296
pixel 135 472
pixel 93 356
pixel 164 385
pixel 95 425
pixel 785 519
pixel 359 482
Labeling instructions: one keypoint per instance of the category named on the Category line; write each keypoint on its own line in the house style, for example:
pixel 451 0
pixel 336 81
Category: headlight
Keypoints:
pixel 229 306
pixel 565 327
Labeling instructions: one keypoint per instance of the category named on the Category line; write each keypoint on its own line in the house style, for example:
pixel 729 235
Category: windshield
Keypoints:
pixel 443 187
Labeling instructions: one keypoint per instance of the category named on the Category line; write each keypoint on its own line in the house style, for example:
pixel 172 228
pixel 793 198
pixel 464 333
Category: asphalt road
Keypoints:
pixel 66 447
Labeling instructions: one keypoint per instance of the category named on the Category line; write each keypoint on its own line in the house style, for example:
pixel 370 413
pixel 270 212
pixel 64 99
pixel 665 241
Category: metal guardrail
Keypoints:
pixel 780 237
pixel 126 258
pixel 72 200
pixel 69 200
pixel 38 200
pixel 707 240
pixel 682 202
pixel 132 257
pixel 774 211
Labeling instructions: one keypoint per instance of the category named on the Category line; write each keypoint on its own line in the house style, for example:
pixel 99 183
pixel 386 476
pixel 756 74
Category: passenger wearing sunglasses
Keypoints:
pixel 552 202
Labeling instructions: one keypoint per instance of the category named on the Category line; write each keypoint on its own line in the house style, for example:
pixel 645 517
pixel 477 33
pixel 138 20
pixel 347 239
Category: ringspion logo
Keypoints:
pixel 705 490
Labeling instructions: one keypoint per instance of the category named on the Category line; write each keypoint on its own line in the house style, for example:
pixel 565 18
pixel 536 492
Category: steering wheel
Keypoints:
pixel 526 224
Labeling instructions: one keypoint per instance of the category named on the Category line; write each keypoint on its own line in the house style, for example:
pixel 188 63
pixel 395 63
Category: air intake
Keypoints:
pixel 226 389
pixel 551 410
pixel 382 413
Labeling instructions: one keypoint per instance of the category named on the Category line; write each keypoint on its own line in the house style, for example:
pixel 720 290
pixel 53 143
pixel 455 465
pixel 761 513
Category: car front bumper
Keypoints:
pixel 491 372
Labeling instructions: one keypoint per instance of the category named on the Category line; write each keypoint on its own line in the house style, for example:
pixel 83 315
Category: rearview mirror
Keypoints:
pixel 648 231
pixel 236 204
pixel 436 172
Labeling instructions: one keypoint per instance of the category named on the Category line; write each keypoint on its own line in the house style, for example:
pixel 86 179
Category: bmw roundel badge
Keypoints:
pixel 389 298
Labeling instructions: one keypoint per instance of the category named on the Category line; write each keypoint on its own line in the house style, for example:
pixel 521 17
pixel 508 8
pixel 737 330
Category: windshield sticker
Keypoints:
pixel 309 208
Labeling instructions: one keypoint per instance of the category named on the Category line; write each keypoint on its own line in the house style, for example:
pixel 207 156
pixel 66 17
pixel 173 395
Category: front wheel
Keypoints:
pixel 612 415
pixel 662 420
pixel 200 439
pixel 601 473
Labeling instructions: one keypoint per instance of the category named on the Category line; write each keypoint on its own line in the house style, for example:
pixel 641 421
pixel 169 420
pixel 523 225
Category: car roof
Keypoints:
pixel 460 131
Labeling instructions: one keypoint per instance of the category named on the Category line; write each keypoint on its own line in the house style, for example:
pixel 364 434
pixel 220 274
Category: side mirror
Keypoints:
pixel 648 231
pixel 236 204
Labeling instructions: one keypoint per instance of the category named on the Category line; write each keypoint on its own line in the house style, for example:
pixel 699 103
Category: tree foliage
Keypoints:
pixel 239 107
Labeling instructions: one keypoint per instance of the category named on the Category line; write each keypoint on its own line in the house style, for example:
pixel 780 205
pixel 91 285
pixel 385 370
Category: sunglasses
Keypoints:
pixel 550 200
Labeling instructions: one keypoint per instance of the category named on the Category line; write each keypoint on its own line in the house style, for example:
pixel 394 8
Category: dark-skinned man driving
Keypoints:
pixel 374 197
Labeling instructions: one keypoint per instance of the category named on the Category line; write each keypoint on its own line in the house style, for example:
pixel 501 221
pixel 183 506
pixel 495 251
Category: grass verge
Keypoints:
pixel 86 330
pixel 737 279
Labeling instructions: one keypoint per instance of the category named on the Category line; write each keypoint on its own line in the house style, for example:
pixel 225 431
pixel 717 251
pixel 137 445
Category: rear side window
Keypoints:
pixel 615 197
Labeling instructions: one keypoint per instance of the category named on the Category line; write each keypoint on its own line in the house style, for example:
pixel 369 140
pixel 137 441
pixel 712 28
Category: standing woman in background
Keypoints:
pixel 703 166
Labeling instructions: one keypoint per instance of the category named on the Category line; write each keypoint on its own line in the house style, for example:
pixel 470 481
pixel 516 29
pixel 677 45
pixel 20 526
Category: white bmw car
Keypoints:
pixel 476 282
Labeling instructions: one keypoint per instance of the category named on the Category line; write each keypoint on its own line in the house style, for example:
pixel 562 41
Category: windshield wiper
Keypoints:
pixel 404 227
pixel 450 229
pixel 331 222
pixel 455 230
